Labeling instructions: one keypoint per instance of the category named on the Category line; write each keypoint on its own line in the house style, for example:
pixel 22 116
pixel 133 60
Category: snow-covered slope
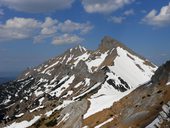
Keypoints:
pixel 99 77
pixel 148 106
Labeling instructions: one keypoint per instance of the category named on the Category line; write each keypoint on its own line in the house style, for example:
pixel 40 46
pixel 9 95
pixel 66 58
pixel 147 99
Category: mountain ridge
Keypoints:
pixel 104 42
pixel 78 78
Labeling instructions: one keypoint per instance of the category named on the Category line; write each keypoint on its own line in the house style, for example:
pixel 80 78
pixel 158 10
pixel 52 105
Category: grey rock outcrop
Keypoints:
pixel 74 112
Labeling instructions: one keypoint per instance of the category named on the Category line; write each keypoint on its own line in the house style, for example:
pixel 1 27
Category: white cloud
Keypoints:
pixel 29 28
pixel 104 6
pixel 37 6
pixel 117 19
pixel 49 26
pixel 68 26
pixel 66 39
pixel 20 23
pixel 68 30
pixel 129 12
pixel 18 28
pixel 156 18
pixel 120 19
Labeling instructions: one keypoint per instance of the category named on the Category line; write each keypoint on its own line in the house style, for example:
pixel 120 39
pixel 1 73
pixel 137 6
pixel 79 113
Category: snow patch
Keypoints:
pixel 64 104
pixel 152 125
pixel 87 81
pixel 127 68
pixel 66 116
pixel 87 91
pixel 19 115
pixel 79 84
pixel 163 115
pixel 104 98
pixel 63 79
pixel 41 100
pixel 52 65
pixel 27 73
pixel 68 93
pixel 24 124
pixel 40 107
pixel 37 93
pixel 107 121
pixel 168 83
pixel 63 87
pixel 47 114
pixel 69 59
pixel 7 100
pixel 85 127
pixel 82 57
pixel 96 62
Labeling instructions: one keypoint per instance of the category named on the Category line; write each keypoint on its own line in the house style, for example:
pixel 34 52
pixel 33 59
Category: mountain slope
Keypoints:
pixel 73 86
pixel 148 106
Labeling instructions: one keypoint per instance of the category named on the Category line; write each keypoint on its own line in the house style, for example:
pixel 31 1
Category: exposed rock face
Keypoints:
pixel 162 74
pixel 108 43
pixel 70 90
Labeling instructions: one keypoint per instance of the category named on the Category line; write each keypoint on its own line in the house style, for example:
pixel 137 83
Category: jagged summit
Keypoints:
pixel 78 48
pixel 108 43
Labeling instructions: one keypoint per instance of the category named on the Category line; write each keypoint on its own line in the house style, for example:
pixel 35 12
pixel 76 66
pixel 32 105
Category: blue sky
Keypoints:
pixel 34 31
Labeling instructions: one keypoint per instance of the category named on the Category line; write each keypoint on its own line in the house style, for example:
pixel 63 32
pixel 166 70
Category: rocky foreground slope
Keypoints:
pixel 108 87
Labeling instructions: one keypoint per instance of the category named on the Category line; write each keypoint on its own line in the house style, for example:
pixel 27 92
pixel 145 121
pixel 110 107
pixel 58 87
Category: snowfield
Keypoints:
pixel 126 68
pixel 24 124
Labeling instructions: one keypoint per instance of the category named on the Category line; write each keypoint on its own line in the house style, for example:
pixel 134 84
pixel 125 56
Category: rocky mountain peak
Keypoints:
pixel 162 74
pixel 108 43
pixel 75 83
pixel 78 48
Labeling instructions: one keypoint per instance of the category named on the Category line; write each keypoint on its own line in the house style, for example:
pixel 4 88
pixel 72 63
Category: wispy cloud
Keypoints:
pixel 69 26
pixel 19 28
pixel 117 19
pixel 129 12
pixel 120 19
pixel 104 6
pixel 37 6
pixel 29 28
pixel 158 19
pixel 66 39
pixel 49 26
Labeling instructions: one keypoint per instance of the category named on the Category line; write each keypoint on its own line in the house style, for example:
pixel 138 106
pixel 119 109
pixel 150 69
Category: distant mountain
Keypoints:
pixel 6 79
pixel 79 89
